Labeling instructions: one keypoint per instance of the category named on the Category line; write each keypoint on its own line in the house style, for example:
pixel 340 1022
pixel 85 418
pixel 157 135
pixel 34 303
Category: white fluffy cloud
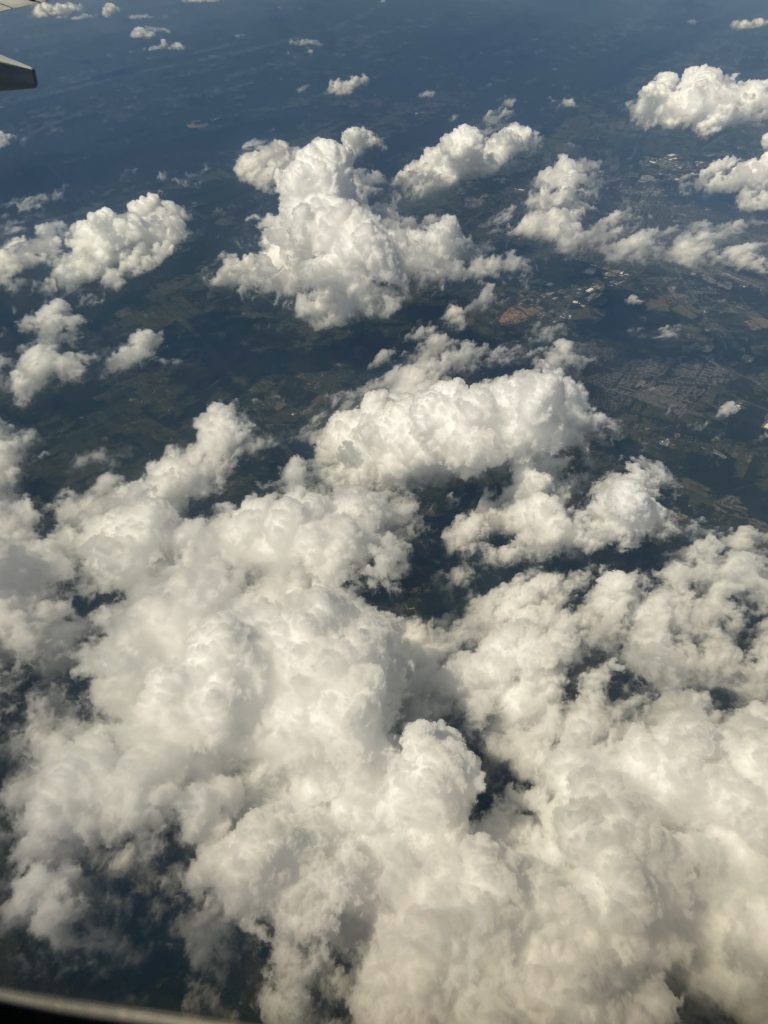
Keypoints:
pixel 249 698
pixel 6 138
pixel 140 346
pixel 745 24
pixel 564 195
pixel 465 152
pixel 727 409
pixel 58 9
pixel 451 429
pixel 53 325
pixel 104 247
pixel 531 520
pixel 331 248
pixel 746 179
pixel 108 10
pixel 346 86
pixel 703 98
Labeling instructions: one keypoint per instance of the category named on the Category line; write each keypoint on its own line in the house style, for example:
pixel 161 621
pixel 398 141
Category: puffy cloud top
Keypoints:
pixel 465 152
pixel 330 248
pixel 104 247
pixel 346 86
pixel 454 429
pixel 703 98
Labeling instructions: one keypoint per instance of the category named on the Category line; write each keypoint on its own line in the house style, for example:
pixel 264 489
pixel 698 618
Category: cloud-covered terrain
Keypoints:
pixel 249 698
pixel 354 661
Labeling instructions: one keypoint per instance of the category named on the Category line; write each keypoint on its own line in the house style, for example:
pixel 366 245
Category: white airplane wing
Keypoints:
pixel 14 74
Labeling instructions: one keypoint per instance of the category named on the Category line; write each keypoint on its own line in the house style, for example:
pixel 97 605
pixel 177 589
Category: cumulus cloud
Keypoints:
pixel 140 346
pixel 466 152
pixel 29 204
pixel 727 409
pixel 346 86
pixel 6 138
pixel 744 24
pixel 250 699
pixel 58 9
pixel 163 44
pixel 532 520
pixel 564 195
pixel 703 98
pixel 332 248
pixel 53 325
pixel 452 429
pixel 104 247
pixel 109 10
pixel 147 31
pixel 746 179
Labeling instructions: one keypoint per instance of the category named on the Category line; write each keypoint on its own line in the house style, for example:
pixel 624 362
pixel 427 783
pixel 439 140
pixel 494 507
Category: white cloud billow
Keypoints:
pixel 53 325
pixel 346 86
pixel 746 179
pixel 58 9
pixel 745 24
pixel 727 409
pixel 704 99
pixel 564 195
pixel 104 247
pixel 248 698
pixel 531 520
pixel 140 346
pixel 466 152
pixel 331 249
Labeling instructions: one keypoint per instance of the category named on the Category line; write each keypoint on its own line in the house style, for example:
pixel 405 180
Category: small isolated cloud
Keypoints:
pixel 745 24
pixel 140 346
pixel 332 248
pixel 305 44
pixel 455 316
pixel 104 247
pixel 634 300
pixel 148 31
pixel 53 326
pixel 466 152
pixel 703 98
pixel 746 179
pixel 568 102
pixel 666 332
pixel 345 86
pixel 163 44
pixel 729 408
pixel 109 10
pixel 62 9
pixel 427 94
pixel 29 204
pixel 6 138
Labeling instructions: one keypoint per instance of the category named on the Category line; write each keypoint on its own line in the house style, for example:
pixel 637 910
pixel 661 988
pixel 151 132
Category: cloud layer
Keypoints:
pixel 248 697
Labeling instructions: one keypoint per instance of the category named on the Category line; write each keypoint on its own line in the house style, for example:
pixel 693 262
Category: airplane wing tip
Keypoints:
pixel 15 75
